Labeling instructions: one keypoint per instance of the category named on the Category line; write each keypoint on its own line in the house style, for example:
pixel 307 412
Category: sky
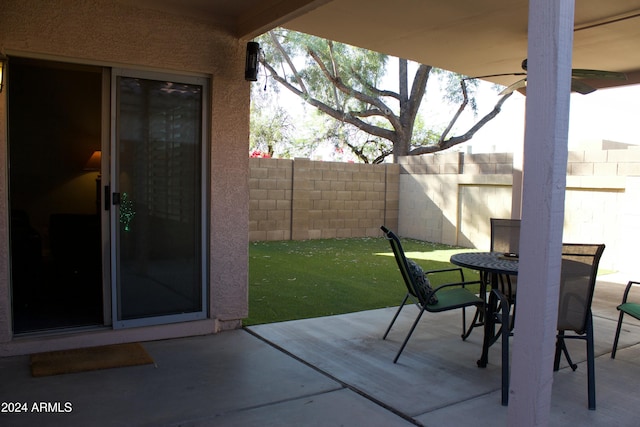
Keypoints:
pixel 606 114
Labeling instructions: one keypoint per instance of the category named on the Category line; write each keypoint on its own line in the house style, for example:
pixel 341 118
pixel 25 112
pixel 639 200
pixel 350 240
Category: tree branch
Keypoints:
pixel 373 89
pixel 338 115
pixel 368 113
pixel 359 152
pixel 284 82
pixel 335 73
pixel 292 67
pixel 337 82
pixel 463 105
pixel 443 145
pixel 418 88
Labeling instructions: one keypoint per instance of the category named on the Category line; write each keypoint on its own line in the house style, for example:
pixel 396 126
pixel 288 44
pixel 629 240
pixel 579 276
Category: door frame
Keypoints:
pixel 105 208
pixel 113 188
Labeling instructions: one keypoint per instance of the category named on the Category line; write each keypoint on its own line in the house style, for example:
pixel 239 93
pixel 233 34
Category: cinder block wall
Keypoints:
pixel 445 198
pixel 270 199
pixel 302 199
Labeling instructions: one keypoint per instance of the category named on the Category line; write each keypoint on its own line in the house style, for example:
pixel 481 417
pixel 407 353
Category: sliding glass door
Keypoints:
pixel 54 128
pixel 157 197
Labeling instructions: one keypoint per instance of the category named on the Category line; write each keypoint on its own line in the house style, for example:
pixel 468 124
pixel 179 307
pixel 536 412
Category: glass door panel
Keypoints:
pixel 158 200
pixel 54 125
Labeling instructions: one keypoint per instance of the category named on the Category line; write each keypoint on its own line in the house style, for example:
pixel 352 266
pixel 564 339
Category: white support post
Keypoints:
pixel 516 182
pixel 544 184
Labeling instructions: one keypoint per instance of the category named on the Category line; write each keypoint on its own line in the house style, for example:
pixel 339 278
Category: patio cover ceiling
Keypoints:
pixel 470 37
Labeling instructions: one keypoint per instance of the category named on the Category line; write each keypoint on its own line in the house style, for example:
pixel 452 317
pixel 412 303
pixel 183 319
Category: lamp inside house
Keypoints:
pixel 3 66
pixel 94 164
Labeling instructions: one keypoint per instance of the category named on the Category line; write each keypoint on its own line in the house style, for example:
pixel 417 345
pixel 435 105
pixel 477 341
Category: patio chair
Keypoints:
pixel 505 238
pixel 449 296
pixel 626 307
pixel 503 317
pixel 577 283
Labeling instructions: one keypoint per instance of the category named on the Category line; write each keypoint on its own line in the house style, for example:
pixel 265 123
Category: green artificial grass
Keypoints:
pixel 291 280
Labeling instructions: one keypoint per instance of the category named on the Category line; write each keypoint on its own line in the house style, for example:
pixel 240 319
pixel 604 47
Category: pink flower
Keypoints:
pixel 260 154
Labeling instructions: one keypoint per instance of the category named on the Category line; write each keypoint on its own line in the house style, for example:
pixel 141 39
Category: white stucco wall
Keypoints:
pixel 453 205
pixel 113 34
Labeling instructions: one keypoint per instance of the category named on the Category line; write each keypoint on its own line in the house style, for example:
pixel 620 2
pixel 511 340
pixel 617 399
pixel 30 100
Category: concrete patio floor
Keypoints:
pixel 329 371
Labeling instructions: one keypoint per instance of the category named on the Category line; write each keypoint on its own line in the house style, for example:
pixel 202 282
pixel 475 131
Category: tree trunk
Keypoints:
pixel 402 140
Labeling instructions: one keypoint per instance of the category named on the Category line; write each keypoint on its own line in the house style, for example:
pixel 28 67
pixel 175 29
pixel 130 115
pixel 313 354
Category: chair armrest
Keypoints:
pixel 504 302
pixel 462 282
pixel 449 285
pixel 446 270
pixel 628 289
pixel 502 315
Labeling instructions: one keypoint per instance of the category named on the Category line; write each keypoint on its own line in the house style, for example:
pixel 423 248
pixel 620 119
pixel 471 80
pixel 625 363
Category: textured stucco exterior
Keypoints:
pixel 112 34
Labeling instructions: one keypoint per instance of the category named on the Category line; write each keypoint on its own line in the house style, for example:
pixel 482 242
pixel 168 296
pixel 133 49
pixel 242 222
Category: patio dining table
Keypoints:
pixel 494 267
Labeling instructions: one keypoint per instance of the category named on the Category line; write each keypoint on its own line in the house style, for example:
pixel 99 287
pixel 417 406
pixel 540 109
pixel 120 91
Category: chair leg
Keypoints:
pixel 415 323
pixel 404 301
pixel 505 332
pixel 591 372
pixel 513 316
pixel 568 357
pixel 478 317
pixel 559 345
pixel 615 340
pixel 464 322
pixel 476 321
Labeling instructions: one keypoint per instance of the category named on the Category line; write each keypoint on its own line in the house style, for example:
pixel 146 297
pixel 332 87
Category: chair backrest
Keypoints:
pixel 505 235
pixel 577 282
pixel 401 260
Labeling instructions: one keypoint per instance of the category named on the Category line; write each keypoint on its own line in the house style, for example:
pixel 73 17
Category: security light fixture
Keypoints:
pixel 251 66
